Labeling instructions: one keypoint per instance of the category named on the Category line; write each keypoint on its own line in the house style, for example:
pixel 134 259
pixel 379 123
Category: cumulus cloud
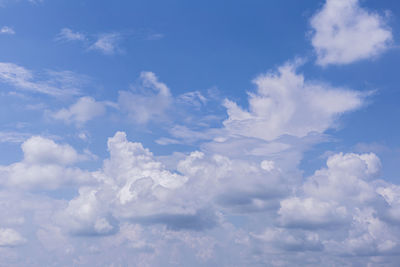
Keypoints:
pixel 287 104
pixel 85 109
pixel 344 32
pixel 206 201
pixel 55 83
pixel 45 166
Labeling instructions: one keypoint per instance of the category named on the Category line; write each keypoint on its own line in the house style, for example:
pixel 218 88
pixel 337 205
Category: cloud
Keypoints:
pixel 107 43
pixel 45 166
pixel 279 238
pixel 149 101
pixel 4 2
pixel 13 137
pixel 7 30
pixel 67 34
pixel 203 203
pixel 286 104
pixel 55 83
pixel 10 238
pixel 309 213
pixel 344 32
pixel 85 109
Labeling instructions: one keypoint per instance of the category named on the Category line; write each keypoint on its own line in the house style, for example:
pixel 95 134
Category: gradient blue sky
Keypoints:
pixel 199 133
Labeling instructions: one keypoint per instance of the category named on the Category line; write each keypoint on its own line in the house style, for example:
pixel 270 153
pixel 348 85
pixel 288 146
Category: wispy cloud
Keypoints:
pixel 7 30
pixel 13 137
pixel 53 83
pixel 67 34
pixel 107 43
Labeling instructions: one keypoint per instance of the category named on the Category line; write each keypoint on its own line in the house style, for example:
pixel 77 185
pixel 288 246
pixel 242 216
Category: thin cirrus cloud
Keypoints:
pixel 53 83
pixel 106 43
pixel 345 32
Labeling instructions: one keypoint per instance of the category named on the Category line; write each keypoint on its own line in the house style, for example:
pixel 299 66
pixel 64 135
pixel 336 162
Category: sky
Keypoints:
pixel 199 133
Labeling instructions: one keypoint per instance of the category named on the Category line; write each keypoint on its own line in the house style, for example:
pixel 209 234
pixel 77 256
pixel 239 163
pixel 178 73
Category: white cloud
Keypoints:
pixel 107 43
pixel 150 101
pixel 7 30
pixel 194 98
pixel 39 150
pixel 346 177
pixel 67 34
pixel 45 166
pixel 56 83
pixel 255 204
pixel 13 137
pixel 85 109
pixel 344 32
pixel 10 238
pixel 285 103
pixel 310 213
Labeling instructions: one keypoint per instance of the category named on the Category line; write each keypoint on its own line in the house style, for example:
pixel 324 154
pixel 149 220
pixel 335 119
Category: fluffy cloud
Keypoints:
pixel 44 166
pixel 286 104
pixel 310 213
pixel 344 32
pixel 85 109
pixel 206 201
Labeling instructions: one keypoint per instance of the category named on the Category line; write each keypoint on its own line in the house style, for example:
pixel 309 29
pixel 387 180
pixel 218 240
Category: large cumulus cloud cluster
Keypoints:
pixel 240 199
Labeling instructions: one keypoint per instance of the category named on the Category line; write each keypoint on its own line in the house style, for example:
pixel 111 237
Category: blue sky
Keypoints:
pixel 208 133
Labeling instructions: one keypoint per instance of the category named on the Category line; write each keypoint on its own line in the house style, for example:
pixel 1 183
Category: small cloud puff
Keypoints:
pixel 344 32
pixel 7 30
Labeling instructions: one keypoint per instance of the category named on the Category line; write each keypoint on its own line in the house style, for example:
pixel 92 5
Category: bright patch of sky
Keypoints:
pixel 199 133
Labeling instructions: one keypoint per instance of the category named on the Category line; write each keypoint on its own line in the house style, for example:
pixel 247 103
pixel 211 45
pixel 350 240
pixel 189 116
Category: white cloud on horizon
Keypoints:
pixel 344 32
pixel 138 204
